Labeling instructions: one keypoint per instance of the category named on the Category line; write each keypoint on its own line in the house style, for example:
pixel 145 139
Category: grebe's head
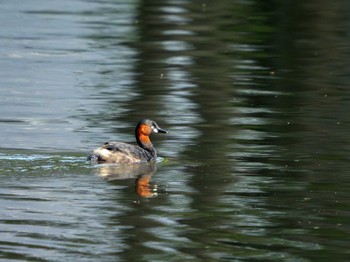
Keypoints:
pixel 147 127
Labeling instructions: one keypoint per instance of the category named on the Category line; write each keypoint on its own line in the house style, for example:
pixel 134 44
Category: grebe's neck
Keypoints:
pixel 144 142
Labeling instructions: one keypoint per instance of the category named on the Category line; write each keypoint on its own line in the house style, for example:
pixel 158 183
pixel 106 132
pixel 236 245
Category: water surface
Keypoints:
pixel 255 96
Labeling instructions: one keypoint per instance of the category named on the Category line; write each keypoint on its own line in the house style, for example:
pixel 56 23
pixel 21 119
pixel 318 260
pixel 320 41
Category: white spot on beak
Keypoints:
pixel 154 129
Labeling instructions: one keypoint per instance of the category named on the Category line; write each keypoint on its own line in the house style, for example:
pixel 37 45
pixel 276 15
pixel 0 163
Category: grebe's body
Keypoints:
pixel 122 153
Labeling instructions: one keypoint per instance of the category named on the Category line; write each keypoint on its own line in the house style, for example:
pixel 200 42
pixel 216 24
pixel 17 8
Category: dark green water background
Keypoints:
pixel 255 95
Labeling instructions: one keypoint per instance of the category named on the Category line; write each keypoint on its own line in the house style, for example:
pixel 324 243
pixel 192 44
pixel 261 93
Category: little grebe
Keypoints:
pixel 122 153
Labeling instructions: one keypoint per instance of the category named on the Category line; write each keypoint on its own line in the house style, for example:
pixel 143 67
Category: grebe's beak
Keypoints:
pixel 162 130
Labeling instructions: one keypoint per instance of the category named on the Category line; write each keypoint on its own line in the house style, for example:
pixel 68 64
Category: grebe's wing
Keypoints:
pixel 118 152
pixel 122 147
pixel 123 151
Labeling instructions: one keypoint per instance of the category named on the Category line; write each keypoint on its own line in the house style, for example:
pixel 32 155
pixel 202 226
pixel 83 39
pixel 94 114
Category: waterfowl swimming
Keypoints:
pixel 123 153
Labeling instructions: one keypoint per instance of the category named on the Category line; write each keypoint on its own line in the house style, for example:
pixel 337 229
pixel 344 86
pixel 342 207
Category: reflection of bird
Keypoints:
pixel 122 153
pixel 125 171
pixel 141 172
pixel 143 188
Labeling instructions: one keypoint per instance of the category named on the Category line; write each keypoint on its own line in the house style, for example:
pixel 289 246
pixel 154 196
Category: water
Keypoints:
pixel 255 96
